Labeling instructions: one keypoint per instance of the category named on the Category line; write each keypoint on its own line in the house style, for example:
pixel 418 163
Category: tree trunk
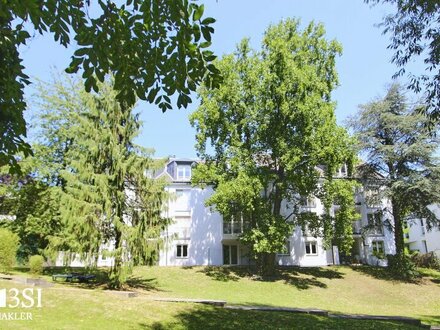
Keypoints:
pixel 398 228
pixel 266 264
pixel 116 271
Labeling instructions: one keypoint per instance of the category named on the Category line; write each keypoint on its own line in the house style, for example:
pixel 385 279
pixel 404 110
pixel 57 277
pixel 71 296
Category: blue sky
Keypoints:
pixel 364 67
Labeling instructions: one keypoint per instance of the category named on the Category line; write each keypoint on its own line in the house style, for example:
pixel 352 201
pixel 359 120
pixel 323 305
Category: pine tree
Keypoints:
pixel 108 200
pixel 399 151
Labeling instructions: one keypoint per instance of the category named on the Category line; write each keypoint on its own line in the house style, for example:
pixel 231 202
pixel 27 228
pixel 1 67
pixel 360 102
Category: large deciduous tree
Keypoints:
pixel 414 29
pixel 399 153
pixel 263 133
pixel 154 49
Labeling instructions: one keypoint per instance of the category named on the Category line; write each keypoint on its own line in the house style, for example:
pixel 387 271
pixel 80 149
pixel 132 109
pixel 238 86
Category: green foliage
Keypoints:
pixel 401 267
pixel 153 49
pixel 270 124
pixel 8 249
pixel 337 228
pixel 413 28
pixel 400 162
pixel 36 264
pixel 107 202
pixel 426 260
pixel 35 207
pixel 378 255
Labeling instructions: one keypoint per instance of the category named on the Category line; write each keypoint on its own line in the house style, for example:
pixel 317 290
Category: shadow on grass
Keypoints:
pixel 382 273
pixel 301 278
pixel 147 284
pixel 218 318
pixel 100 281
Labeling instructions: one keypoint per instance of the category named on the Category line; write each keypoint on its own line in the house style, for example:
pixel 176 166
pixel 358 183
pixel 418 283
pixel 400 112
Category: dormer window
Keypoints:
pixel 183 172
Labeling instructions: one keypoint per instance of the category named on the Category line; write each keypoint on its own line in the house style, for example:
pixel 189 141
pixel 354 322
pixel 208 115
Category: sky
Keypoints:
pixel 365 67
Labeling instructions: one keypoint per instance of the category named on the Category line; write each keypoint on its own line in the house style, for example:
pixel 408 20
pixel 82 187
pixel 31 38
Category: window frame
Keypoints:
pixel 229 247
pixel 236 224
pixel 311 243
pixel 375 244
pixel 183 172
pixel 374 219
pixel 182 256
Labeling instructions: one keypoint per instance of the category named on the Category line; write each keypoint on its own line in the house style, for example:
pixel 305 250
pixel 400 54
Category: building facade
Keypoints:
pixel 419 238
pixel 199 236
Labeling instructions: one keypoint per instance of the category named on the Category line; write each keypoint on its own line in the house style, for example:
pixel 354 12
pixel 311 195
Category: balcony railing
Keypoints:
pixel 232 228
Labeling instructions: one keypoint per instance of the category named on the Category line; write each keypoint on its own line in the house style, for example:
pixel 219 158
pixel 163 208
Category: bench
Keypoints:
pixel 73 276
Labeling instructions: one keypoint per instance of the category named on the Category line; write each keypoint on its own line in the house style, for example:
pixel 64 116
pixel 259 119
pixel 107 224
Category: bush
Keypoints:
pixel 401 267
pixel 8 249
pixel 36 264
pixel 427 260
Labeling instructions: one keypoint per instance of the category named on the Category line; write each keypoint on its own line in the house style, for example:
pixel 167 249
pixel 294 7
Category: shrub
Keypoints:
pixel 401 267
pixel 8 249
pixel 36 264
pixel 427 260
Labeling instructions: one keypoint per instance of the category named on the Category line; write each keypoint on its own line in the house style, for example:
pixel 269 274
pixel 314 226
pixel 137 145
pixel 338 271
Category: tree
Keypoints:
pixel 108 203
pixel 8 249
pixel 33 195
pixel 400 154
pixel 414 30
pixel 270 125
pixel 34 204
pixel 154 49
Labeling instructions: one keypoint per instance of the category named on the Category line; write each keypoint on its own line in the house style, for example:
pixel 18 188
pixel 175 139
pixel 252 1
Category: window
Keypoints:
pixel 375 222
pixel 183 227
pixel 234 225
pixel 308 202
pixel 342 171
pixel 230 254
pixel 184 172
pixel 422 227
pixel 286 248
pixel 182 251
pixel 378 247
pixel 182 199
pixel 311 248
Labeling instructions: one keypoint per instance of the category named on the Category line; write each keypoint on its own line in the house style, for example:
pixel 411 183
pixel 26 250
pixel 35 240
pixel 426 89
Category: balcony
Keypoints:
pixel 231 230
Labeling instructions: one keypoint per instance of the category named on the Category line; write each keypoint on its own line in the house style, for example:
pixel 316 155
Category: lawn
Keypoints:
pixel 357 290
pixel 339 289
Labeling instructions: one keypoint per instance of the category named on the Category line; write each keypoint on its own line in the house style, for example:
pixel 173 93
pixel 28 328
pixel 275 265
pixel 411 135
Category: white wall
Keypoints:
pixel 297 255
pixel 420 238
pixel 76 262
pixel 204 228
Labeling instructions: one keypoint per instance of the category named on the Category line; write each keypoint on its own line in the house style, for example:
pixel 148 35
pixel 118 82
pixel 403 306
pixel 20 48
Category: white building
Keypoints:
pixel 199 236
pixel 418 238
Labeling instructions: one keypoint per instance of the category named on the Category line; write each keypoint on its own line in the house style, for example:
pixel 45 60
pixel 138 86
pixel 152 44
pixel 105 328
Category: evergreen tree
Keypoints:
pixel 400 162
pixel 270 124
pixel 413 27
pixel 108 203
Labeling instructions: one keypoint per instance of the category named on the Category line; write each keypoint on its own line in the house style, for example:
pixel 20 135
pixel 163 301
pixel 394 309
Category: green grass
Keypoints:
pixel 361 290
pixel 341 289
